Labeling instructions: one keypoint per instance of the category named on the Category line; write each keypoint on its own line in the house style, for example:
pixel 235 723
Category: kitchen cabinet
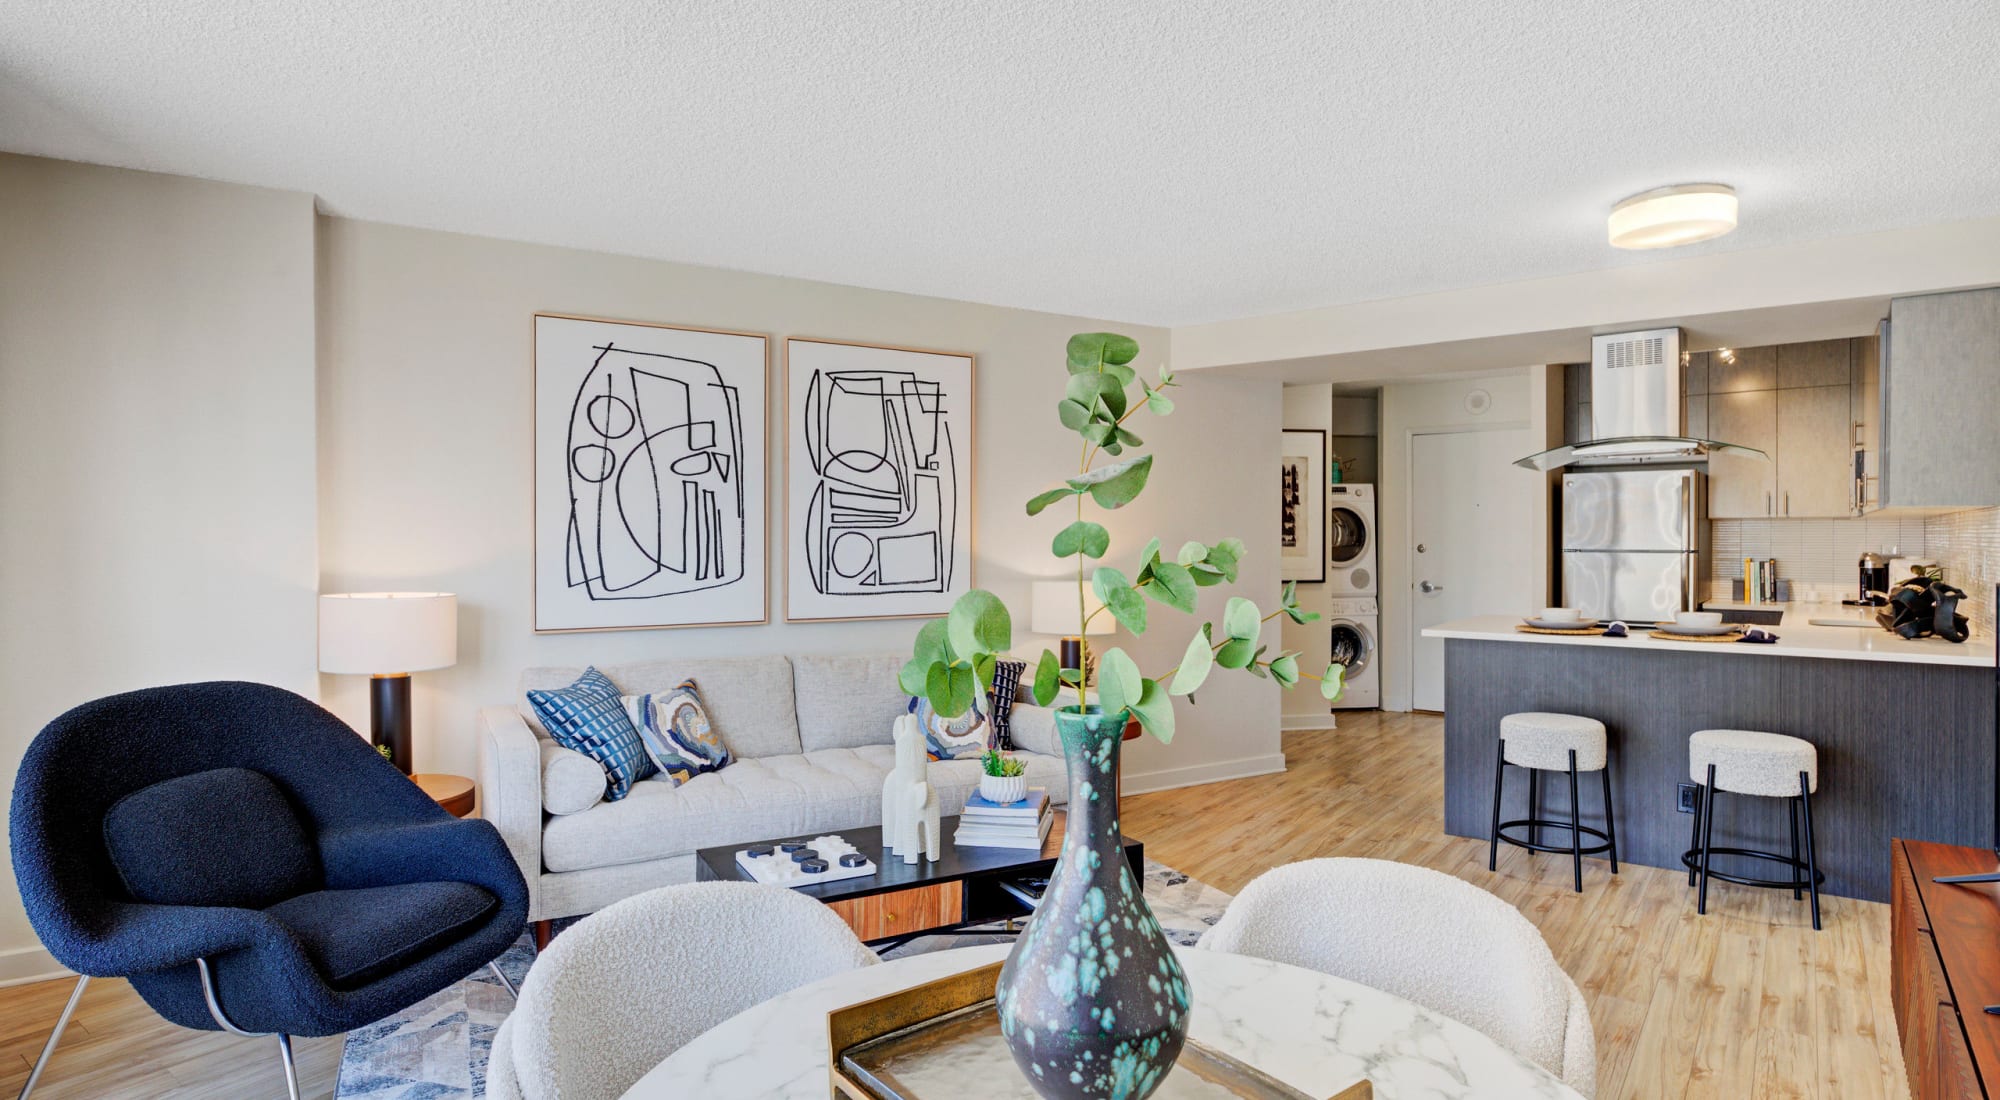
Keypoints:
pixel 1814 363
pixel 1742 370
pixel 1940 382
pixel 1741 487
pixel 1814 458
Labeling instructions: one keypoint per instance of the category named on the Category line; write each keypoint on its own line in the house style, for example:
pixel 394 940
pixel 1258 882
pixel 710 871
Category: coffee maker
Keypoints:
pixel 1874 581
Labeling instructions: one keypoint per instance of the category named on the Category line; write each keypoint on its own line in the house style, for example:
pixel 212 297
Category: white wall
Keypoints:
pixel 424 421
pixel 156 446
pixel 1520 404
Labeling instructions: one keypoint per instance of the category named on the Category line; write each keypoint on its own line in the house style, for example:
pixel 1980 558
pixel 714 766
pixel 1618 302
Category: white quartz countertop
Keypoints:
pixel 1796 638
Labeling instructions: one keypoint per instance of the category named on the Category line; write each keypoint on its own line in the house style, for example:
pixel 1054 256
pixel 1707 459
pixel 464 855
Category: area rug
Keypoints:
pixel 437 1049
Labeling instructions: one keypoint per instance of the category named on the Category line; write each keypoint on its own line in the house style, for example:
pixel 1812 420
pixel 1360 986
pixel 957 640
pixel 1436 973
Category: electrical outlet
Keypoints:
pixel 1688 793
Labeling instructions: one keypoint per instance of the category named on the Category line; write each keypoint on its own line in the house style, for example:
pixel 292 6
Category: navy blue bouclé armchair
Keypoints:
pixel 250 865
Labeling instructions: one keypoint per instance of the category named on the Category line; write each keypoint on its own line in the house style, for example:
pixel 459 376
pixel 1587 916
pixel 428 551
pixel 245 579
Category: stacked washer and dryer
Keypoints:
pixel 1353 615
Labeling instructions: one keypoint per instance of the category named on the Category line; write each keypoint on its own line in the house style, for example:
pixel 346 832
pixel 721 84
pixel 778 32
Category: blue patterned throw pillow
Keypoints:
pixel 589 717
pixel 969 734
pixel 677 732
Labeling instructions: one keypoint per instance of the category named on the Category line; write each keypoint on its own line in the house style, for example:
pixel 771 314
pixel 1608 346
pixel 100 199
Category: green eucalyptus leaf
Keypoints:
pixel 978 624
pixel 982 670
pixel 1257 670
pixel 1071 676
pixel 1159 404
pixel 1173 585
pixel 1235 653
pixel 1082 537
pixel 949 690
pixel 1073 414
pixel 1113 448
pixel 1043 500
pixel 1116 485
pixel 1156 711
pixel 1285 669
pixel 1047 679
pixel 1089 390
pixel 1093 350
pixel 1334 684
pixel 914 677
pixel 933 645
pixel 1191 552
pixel 1205 575
pixel 1120 598
pixel 1124 438
pixel 1098 433
pixel 1240 619
pixel 1118 681
pixel 1290 596
pixel 1195 664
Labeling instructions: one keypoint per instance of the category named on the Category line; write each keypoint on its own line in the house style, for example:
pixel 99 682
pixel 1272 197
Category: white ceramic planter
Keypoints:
pixel 1003 788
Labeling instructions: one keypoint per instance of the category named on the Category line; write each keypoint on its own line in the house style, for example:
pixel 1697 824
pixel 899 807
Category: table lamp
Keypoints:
pixel 388 635
pixel 1052 610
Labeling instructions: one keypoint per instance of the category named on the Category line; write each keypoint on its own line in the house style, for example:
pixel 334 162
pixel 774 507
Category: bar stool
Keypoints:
pixel 1543 742
pixel 1762 765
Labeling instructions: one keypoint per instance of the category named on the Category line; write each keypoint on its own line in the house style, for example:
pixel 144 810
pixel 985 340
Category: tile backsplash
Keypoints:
pixel 1822 553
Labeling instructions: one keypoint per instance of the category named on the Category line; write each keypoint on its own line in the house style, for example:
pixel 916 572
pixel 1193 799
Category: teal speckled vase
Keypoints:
pixel 1092 1001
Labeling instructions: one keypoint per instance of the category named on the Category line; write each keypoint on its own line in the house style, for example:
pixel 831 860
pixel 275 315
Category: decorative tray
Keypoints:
pixel 942 1039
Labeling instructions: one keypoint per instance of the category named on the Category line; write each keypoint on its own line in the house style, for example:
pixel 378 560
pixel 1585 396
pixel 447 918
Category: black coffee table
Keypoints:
pixel 902 901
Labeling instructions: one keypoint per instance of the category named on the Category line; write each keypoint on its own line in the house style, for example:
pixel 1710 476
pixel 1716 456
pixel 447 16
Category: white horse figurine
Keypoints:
pixel 909 804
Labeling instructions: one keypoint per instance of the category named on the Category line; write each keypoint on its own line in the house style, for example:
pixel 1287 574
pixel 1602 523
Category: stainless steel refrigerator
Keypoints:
pixel 1633 542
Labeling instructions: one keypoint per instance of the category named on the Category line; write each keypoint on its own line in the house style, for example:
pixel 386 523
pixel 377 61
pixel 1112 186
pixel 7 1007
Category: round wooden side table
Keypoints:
pixel 453 792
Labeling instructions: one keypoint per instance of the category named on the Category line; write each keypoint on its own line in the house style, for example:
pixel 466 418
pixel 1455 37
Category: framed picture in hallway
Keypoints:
pixel 650 478
pixel 878 480
pixel 1302 505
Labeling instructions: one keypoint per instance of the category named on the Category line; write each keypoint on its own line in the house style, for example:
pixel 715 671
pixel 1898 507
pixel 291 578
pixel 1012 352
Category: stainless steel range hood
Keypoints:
pixel 1637 408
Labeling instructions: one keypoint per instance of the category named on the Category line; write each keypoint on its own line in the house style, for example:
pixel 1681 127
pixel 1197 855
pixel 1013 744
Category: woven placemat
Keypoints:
pixel 1666 637
pixel 1586 632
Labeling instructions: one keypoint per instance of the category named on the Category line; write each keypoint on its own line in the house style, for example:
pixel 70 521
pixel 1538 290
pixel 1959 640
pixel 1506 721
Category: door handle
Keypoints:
pixel 1770 509
pixel 1788 502
pixel 1427 587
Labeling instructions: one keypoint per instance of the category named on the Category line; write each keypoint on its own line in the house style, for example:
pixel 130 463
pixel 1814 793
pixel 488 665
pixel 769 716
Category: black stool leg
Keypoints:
pixel 1575 819
pixel 1694 832
pixel 1812 861
pixel 1499 774
pixel 1535 804
pixel 1707 833
pixel 1792 811
pixel 1610 820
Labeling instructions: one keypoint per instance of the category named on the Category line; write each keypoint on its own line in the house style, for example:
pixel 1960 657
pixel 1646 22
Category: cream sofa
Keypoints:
pixel 811 737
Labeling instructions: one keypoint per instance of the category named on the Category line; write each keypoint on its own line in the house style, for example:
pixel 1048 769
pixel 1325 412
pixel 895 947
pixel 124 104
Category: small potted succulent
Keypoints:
pixel 1079 1029
pixel 1003 779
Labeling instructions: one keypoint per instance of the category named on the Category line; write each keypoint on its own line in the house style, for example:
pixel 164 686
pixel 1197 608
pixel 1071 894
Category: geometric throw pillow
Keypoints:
pixel 1006 689
pixel 969 734
pixel 588 717
pixel 675 729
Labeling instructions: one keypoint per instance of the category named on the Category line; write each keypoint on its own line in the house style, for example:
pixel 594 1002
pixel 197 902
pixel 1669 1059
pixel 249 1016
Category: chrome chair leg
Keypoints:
pixel 49 1048
pixel 291 1067
pixel 494 966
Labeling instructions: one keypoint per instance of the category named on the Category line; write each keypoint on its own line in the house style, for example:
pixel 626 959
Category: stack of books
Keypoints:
pixel 1022 824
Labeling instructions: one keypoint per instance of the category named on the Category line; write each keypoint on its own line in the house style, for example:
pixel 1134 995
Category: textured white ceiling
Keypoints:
pixel 1146 162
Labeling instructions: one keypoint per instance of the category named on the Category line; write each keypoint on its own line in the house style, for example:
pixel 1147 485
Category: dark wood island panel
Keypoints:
pixel 1905 749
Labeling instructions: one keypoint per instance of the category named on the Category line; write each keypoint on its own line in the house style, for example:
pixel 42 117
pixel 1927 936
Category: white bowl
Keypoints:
pixel 1560 614
pixel 1697 618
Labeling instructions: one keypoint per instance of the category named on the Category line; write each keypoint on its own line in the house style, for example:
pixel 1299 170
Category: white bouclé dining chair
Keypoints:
pixel 1426 937
pixel 630 984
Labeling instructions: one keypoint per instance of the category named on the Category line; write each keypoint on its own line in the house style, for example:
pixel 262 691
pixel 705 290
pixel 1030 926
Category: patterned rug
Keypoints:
pixel 437 1050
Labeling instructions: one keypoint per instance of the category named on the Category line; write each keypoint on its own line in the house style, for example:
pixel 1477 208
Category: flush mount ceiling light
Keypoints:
pixel 1669 216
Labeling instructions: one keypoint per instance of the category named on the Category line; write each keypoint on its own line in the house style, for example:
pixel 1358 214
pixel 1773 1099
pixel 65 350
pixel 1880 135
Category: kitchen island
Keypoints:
pixel 1904 729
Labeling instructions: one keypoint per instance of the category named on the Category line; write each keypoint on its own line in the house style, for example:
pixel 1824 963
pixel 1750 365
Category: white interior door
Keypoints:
pixel 1474 545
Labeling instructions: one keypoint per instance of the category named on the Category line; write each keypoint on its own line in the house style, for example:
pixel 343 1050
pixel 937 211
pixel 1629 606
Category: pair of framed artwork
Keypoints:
pixel 651 477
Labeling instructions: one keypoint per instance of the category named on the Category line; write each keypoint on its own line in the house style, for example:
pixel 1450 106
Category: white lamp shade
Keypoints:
pixel 379 633
pixel 1669 216
pixel 1052 610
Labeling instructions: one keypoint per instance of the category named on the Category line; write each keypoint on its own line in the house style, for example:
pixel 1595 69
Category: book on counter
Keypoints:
pixel 1022 824
pixel 1029 808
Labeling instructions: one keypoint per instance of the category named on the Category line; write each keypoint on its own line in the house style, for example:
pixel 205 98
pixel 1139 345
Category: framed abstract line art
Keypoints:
pixel 1302 506
pixel 878 480
pixel 650 475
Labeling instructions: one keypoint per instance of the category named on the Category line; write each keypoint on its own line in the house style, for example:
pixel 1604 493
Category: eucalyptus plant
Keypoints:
pixel 954 656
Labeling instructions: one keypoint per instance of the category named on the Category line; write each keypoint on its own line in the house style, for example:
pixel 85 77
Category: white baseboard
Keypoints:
pixel 30 964
pixel 1325 721
pixel 1169 779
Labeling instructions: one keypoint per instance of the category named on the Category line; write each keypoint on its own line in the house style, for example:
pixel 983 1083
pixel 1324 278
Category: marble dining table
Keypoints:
pixel 1314 1032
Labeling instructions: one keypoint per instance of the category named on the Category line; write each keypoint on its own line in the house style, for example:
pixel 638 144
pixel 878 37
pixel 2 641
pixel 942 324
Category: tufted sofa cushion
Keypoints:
pixel 163 840
pixel 749 698
pixel 757 799
pixel 849 701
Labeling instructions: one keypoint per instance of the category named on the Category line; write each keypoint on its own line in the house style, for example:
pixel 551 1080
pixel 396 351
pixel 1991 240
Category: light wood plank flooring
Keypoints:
pixel 1745 1002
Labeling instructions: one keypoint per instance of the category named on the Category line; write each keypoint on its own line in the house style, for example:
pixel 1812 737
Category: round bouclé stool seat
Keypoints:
pixel 1760 765
pixel 1539 741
